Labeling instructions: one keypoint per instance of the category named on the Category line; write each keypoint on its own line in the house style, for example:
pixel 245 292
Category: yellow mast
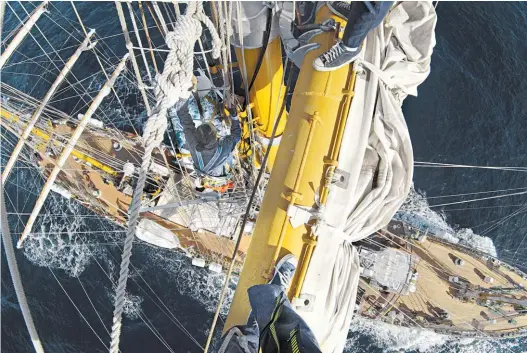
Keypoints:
pixel 267 92
pixel 308 152
pixel 266 95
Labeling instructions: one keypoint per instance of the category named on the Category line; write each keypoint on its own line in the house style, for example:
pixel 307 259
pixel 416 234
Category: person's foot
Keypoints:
pixel 336 57
pixel 284 272
pixel 340 8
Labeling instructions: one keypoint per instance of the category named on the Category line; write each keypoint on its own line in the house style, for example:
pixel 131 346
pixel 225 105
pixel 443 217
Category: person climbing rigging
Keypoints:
pixel 362 17
pixel 273 326
pixel 210 155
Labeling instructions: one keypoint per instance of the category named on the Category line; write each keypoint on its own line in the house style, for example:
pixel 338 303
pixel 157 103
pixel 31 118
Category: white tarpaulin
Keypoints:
pixel 377 154
pixel 153 233
pixel 214 215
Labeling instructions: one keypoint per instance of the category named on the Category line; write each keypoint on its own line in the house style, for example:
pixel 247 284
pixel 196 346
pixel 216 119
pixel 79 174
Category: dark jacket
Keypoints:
pixel 212 159
pixel 272 327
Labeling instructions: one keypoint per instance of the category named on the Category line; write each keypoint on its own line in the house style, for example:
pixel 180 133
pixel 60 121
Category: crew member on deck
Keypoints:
pixel 211 156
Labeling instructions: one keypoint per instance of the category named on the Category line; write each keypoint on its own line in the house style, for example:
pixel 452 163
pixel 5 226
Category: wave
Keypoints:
pixel 390 337
pixel 132 306
pixel 194 282
pixel 417 212
pixel 64 238
pixel 368 335
pixel 57 244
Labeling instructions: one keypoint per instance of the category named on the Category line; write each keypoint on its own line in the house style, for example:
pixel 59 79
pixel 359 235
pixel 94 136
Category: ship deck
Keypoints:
pixel 100 167
pixel 435 293
pixel 81 178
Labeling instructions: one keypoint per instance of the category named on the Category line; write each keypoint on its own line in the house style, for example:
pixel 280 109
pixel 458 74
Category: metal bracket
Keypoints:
pixel 305 302
pixel 329 25
pixel 342 178
pixel 306 37
pixel 297 56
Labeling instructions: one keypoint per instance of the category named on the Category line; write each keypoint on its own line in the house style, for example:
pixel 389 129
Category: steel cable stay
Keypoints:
pixel 482 207
pixel 504 219
pixel 77 308
pixel 497 220
pixel 479 199
pixel 52 61
pixel 475 193
pixel 449 165
pixel 172 317
pixel 150 326
pixel 103 111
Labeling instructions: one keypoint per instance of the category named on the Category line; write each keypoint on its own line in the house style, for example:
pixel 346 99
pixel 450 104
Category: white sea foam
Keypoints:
pixel 390 338
pixel 194 282
pixel 416 210
pixel 62 236
pixel 132 306
pixel 55 242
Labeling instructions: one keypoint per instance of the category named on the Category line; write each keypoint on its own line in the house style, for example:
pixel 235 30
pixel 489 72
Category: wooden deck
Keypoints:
pixel 435 293
pixel 93 181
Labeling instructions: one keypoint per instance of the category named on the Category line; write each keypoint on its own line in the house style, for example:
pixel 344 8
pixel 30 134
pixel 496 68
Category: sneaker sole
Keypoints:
pixel 336 12
pixel 326 69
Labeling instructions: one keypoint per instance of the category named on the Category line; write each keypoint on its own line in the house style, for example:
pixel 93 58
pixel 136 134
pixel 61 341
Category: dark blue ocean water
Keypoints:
pixel 471 110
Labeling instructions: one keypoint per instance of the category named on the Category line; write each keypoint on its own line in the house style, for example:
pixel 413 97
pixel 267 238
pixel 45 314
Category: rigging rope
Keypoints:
pixel 15 275
pixel 475 193
pixel 449 165
pixel 480 199
pixel 174 84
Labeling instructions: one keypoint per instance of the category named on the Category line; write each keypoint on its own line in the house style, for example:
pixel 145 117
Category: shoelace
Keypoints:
pixel 285 276
pixel 342 6
pixel 332 53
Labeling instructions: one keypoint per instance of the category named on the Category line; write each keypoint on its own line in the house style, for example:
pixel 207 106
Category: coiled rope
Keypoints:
pixel 173 85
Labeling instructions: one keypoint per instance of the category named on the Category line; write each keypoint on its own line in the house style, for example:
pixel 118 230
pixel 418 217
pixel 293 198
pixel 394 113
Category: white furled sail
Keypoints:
pixel 375 166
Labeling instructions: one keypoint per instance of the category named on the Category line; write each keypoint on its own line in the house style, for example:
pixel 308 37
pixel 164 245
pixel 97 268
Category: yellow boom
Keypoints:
pixel 8 116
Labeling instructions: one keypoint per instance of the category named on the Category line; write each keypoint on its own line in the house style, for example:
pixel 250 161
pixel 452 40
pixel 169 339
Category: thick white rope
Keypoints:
pixel 174 84
pixel 15 275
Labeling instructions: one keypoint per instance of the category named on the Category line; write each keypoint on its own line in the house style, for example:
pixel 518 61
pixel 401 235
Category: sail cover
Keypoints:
pixel 376 161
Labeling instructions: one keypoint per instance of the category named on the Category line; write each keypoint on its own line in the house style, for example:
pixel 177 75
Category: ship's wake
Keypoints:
pixel 376 336
pixel 417 212
pixel 190 281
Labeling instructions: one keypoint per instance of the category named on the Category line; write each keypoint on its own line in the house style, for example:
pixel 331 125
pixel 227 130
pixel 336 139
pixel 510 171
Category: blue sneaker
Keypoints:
pixel 336 57
pixel 340 8
pixel 284 271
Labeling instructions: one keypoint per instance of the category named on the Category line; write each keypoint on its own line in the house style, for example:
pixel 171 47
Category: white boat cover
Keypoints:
pixel 217 216
pixel 396 59
pixel 155 234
